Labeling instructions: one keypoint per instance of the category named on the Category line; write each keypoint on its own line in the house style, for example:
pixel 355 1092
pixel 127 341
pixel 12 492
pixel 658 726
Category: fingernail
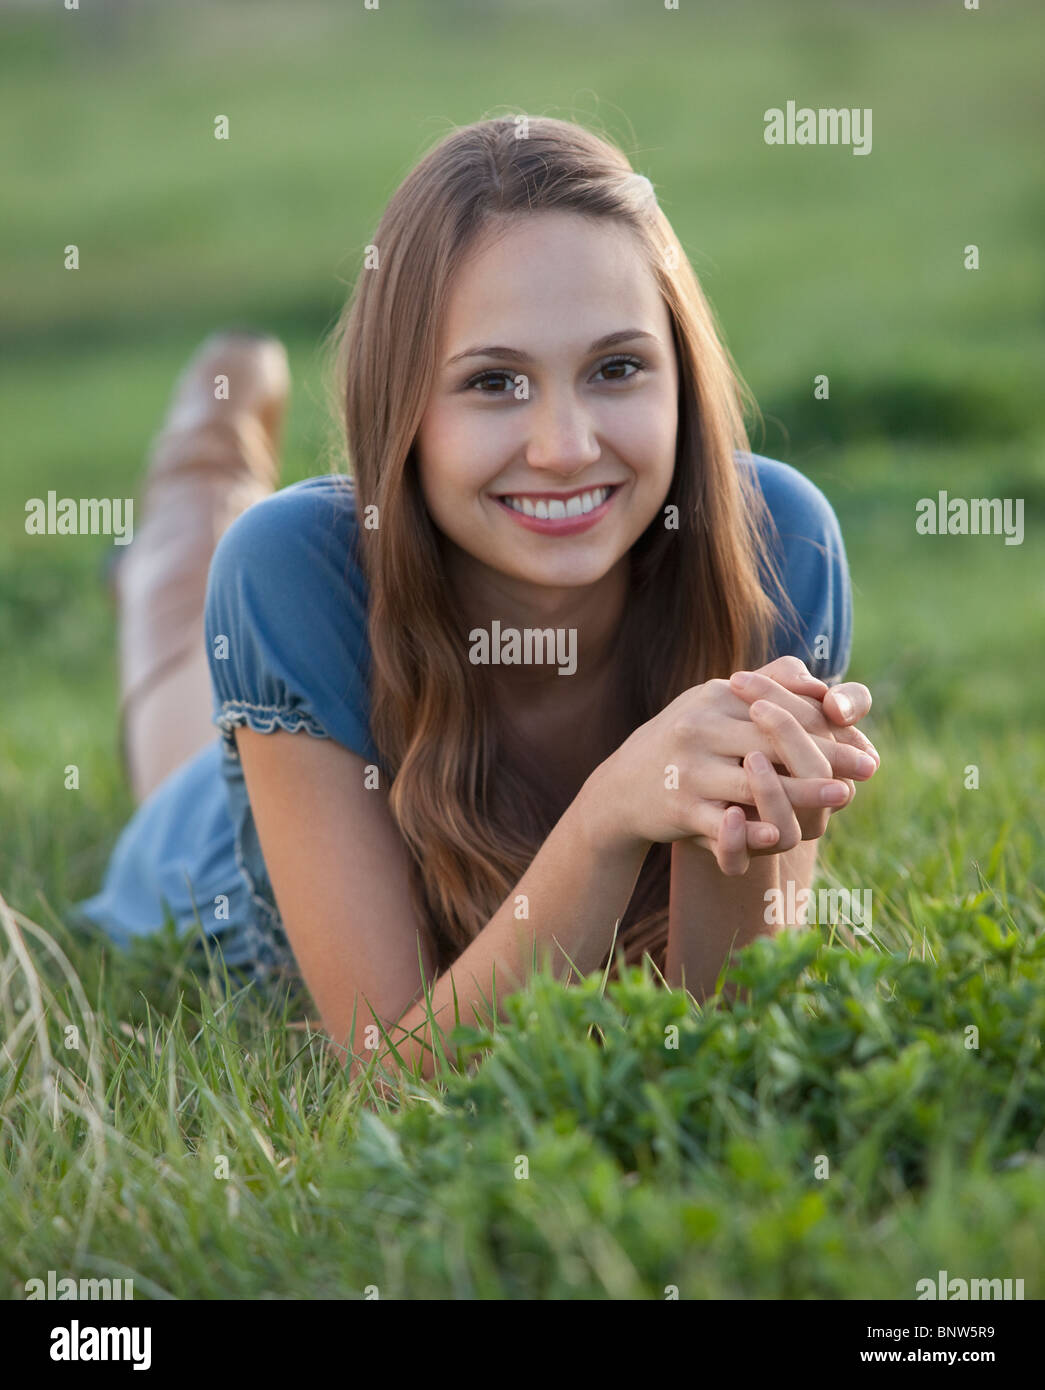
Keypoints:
pixel 845 705
pixel 758 762
pixel 866 765
pixel 834 794
pixel 765 836
pixel 741 678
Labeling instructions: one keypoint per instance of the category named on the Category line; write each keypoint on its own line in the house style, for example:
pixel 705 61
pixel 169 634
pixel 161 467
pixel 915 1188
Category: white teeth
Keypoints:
pixel 555 509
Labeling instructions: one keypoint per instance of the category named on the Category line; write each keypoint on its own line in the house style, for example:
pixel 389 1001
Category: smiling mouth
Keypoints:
pixel 558 506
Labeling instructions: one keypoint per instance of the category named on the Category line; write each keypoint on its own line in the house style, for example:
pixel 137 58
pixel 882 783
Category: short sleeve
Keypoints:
pixel 285 619
pixel 810 555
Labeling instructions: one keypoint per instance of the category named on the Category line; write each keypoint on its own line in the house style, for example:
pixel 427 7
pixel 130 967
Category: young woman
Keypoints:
pixel 543 677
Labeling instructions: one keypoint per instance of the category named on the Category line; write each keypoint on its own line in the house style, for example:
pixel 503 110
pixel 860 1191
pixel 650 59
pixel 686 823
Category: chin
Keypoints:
pixel 577 577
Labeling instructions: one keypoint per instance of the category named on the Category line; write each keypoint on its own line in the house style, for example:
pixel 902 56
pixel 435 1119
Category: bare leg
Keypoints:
pixel 212 459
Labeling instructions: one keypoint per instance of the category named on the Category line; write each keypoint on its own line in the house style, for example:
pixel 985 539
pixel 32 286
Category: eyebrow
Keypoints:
pixel 622 335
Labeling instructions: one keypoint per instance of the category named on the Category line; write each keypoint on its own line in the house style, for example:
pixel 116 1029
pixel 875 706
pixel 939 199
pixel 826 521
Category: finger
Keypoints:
pixel 731 852
pixel 761 837
pixel 745 687
pixel 793 746
pixel 704 820
pixel 857 739
pixel 812 793
pixel 852 788
pixel 847 703
pixel 821 717
pixel 735 738
pixel 759 850
pixel 848 763
pixel 842 733
pixel 812 714
pixel 754 685
pixel 771 800
pixel 732 784
pixel 792 672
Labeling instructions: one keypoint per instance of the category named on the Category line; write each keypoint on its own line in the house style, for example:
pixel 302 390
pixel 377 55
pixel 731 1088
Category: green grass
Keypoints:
pixel 649 1166
pixel 838 1134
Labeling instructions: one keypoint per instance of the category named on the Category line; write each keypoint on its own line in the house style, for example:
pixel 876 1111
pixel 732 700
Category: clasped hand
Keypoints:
pixel 750 765
pixel 789 799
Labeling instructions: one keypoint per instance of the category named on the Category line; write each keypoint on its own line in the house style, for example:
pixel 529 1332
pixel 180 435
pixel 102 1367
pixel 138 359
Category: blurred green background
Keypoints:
pixel 816 261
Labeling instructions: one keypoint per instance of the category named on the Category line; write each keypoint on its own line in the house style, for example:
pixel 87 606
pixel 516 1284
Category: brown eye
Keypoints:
pixel 615 362
pixel 485 377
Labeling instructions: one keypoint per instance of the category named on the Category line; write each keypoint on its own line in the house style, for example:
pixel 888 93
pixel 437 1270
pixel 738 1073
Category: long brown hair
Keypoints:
pixel 472 810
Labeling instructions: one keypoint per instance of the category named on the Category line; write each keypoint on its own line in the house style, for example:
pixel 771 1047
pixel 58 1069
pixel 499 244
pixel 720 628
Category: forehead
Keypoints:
pixel 550 271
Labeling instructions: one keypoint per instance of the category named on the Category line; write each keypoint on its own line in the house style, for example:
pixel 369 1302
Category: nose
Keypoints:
pixel 562 436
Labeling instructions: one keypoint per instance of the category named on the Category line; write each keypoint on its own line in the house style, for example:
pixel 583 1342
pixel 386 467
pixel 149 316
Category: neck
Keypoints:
pixel 594 612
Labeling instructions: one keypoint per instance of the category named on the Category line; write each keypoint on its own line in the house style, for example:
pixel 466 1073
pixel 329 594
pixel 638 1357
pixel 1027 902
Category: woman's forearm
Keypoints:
pixel 573 894
pixel 712 915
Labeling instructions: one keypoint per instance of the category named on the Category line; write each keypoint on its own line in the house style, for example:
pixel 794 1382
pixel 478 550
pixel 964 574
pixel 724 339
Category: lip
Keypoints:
pixel 565 526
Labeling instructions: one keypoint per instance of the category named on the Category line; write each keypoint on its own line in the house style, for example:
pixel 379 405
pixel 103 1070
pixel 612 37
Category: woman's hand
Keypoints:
pixel 842 706
pixel 771 792
pixel 679 776
pixel 787 683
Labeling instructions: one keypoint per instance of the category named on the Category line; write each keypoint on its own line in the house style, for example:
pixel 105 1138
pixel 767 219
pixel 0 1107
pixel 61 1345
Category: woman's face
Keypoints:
pixel 532 400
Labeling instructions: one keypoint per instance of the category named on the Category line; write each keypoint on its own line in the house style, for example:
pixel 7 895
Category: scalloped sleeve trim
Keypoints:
pixel 263 719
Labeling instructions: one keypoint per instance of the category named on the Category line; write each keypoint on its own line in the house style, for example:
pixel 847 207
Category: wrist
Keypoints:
pixel 597 809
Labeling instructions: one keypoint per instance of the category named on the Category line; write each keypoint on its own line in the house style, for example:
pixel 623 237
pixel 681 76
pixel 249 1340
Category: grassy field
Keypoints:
pixel 649 1166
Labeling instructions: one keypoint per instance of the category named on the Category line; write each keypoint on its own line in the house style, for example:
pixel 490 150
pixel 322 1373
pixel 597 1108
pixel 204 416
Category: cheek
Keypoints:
pixel 439 449
pixel 646 437
pixel 461 453
pixel 449 461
